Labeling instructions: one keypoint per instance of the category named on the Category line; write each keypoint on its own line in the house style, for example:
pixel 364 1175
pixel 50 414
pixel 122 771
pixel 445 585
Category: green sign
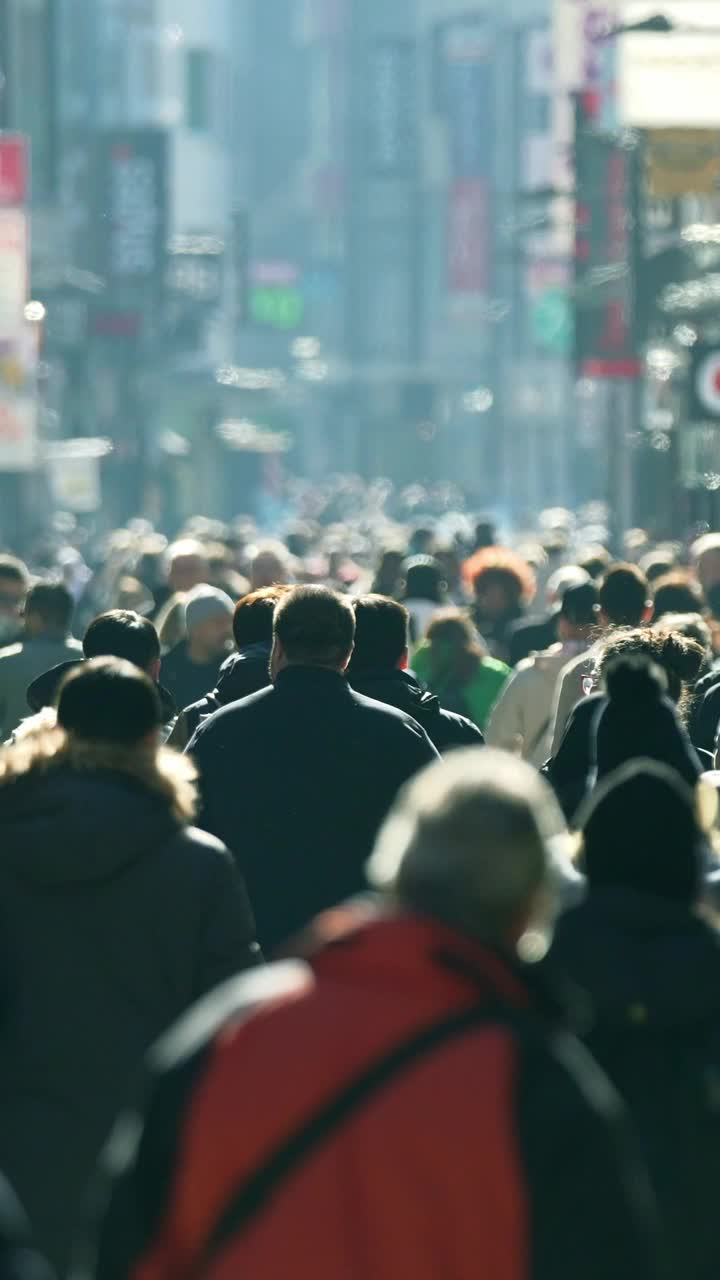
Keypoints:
pixel 276 306
pixel 551 321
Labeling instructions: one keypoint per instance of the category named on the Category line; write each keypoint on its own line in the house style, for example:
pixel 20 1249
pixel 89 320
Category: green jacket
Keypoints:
pixel 476 698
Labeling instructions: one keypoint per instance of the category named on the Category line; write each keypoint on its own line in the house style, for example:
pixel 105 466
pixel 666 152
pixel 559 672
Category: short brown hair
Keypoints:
pixel 315 626
pixel 381 633
pixel 253 618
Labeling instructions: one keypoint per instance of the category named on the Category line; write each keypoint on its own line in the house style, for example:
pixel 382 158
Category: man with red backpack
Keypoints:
pixel 403 1104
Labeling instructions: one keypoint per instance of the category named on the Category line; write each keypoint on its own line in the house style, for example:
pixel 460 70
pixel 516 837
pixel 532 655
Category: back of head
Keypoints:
pixel 315 627
pixel 14 570
pixel 639 721
pixel 109 701
pixel 690 625
pixel 121 633
pixel 502 568
pixel 187 564
pixel 253 618
pixel 468 844
pixel 680 657
pixel 579 605
pixel 425 580
pixel 641 831
pixel 270 566
pixel 624 596
pixel 49 607
pixel 381 634
pixel 678 592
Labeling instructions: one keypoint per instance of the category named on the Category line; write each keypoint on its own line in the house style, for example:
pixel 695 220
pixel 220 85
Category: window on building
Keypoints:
pixel 199 87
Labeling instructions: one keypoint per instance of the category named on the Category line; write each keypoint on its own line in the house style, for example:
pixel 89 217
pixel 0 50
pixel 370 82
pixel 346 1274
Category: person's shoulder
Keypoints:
pixel 227 719
pixel 464 731
pixel 232 1006
pixel 492 671
pixel 11 651
pixel 387 717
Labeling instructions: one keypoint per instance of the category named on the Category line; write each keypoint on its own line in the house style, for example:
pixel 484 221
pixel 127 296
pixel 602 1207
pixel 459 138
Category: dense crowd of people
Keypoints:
pixel 359 896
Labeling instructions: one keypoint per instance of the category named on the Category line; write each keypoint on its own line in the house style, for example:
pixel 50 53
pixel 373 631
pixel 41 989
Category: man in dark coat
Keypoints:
pixel 297 778
pixel 244 672
pixel 406 1103
pixel 378 669
pixel 650 965
pixel 117 916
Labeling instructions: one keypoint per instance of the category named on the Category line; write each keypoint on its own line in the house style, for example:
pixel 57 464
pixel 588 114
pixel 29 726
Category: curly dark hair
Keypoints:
pixel 677 655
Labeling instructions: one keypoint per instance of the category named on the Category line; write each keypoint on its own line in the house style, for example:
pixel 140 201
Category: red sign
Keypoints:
pixel 13 169
pixel 469 236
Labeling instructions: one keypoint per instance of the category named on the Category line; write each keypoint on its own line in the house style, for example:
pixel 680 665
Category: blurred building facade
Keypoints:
pixel 341 235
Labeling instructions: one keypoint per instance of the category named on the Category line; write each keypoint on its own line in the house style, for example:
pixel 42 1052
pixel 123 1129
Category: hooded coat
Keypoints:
pixel 115 916
pixel 652 971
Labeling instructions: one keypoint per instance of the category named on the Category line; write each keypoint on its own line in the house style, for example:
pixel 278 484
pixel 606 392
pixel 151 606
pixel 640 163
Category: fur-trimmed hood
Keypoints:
pixel 75 811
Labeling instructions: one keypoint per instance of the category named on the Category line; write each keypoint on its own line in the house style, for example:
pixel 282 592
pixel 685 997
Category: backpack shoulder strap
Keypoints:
pixel 250 1198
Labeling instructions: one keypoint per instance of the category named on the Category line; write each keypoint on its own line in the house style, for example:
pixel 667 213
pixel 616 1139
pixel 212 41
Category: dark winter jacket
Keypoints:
pixel 570 770
pixel 241 674
pixel 652 972
pixel 404 1106
pixel 18 1257
pixel 188 681
pixel 398 689
pixel 296 780
pixel 705 715
pixel 114 917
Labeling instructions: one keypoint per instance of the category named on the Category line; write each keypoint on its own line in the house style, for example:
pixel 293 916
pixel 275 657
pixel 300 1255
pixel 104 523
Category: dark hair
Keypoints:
pixel 315 626
pixel 678 592
pixel 595 561
pixel 381 634
pixel 624 594
pixel 13 569
pixel 51 602
pixel 579 604
pixel 253 619
pixel 109 700
pixel 679 657
pixel 120 633
pixel 425 580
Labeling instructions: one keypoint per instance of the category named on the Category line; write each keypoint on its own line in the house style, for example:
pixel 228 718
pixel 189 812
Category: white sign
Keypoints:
pixel 75 482
pixel 18 432
pixel 669 80
pixel 580 67
pixel 13 274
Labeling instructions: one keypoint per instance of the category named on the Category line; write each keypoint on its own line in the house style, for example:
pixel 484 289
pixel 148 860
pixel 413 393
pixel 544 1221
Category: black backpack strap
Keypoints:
pixel 250 1198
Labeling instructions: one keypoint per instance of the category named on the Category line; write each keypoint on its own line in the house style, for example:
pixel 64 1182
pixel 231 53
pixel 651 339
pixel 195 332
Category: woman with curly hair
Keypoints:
pixel 503 585
pixel 680 658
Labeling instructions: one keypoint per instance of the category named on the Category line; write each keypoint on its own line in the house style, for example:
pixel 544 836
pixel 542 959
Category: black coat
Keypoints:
pixel 297 780
pixel 241 674
pixel 533 635
pixel 571 769
pixel 652 972
pixel 115 917
pixel 445 729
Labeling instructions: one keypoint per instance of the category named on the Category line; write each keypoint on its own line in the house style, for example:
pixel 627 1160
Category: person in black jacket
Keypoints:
pixel 244 672
pixel 297 778
pixel 570 770
pixel 116 917
pixel 650 964
pixel 378 669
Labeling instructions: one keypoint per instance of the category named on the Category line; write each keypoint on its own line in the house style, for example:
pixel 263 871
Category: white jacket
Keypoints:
pixel 522 719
